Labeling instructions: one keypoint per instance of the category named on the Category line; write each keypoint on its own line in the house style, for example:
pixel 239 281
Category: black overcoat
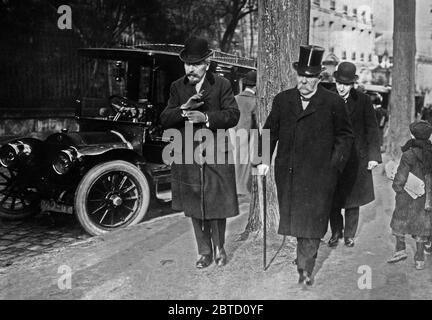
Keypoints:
pixel 409 216
pixel 355 185
pixel 206 191
pixel 313 146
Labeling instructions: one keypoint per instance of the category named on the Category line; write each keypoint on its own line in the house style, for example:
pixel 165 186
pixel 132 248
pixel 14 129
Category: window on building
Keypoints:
pixel 332 4
pixel 370 57
pixel 345 9
pixel 331 49
pixel 354 12
pixel 331 24
pixel 371 17
pixel 343 26
pixel 363 16
pixel 353 56
pixel 344 55
pixel 316 2
pixel 362 56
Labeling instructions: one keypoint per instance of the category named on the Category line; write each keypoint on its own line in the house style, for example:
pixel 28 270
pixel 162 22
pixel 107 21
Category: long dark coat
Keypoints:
pixel 314 145
pixel 355 185
pixel 247 103
pixel 205 191
pixel 409 216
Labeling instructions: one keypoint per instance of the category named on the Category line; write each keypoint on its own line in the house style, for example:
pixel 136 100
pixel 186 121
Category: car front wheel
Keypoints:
pixel 17 199
pixel 111 196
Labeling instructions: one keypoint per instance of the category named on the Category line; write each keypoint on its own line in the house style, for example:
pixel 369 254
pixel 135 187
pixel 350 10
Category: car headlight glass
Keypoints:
pixel 12 151
pixel 8 155
pixel 64 161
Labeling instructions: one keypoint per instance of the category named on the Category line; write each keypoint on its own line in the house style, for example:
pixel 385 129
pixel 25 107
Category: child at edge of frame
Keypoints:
pixel 412 214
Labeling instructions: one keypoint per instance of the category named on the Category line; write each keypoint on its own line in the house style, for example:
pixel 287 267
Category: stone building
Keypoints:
pixel 345 28
pixel 384 45
pixel 424 47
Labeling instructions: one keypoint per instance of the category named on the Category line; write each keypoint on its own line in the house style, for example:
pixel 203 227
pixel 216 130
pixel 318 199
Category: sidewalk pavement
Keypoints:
pixel 156 260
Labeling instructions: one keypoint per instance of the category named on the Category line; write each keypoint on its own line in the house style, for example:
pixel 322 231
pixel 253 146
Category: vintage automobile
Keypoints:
pixel 107 171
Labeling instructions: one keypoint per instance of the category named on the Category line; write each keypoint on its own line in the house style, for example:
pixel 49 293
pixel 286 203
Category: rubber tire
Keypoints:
pixel 94 174
pixel 20 214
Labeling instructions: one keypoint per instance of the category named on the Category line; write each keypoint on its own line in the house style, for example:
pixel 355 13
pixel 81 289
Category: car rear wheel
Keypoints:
pixel 17 200
pixel 111 196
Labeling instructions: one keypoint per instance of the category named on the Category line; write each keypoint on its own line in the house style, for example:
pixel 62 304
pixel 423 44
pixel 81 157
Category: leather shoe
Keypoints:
pixel 349 242
pixel 220 257
pixel 305 278
pixel 204 261
pixel 334 240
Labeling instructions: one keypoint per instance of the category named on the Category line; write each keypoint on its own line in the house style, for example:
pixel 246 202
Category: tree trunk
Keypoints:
pixel 283 25
pixel 403 86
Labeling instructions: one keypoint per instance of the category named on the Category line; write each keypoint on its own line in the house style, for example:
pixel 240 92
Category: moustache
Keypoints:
pixel 192 75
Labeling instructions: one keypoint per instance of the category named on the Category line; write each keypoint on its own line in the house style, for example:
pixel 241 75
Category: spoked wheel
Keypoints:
pixel 17 201
pixel 111 196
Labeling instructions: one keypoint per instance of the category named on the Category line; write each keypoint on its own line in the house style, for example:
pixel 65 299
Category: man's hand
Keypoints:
pixel 195 116
pixel 372 165
pixel 261 170
pixel 194 102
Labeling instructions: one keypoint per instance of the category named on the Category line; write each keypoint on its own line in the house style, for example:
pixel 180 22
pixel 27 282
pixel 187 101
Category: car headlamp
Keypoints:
pixel 64 161
pixel 12 151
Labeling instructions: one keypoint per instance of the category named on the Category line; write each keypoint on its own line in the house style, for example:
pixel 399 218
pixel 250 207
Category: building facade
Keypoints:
pixel 345 29
pixel 384 46
pixel 424 48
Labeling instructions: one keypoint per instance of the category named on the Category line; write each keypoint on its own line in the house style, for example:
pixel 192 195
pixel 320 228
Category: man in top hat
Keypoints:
pixel 355 185
pixel 247 103
pixel 204 190
pixel 314 138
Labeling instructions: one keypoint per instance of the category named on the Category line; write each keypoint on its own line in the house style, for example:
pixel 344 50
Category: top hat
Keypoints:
pixel 250 78
pixel 421 129
pixel 346 73
pixel 309 63
pixel 195 50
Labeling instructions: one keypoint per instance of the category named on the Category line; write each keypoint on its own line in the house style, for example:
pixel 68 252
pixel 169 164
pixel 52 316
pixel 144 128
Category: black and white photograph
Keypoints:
pixel 215 155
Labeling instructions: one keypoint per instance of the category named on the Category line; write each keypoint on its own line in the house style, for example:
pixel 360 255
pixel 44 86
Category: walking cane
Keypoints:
pixel 264 188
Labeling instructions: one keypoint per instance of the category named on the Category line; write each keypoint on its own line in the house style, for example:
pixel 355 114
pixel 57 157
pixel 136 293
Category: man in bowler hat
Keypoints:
pixel 355 185
pixel 206 192
pixel 314 136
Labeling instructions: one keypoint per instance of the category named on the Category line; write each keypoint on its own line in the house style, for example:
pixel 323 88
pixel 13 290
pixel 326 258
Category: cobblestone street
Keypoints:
pixel 37 235
pixel 45 233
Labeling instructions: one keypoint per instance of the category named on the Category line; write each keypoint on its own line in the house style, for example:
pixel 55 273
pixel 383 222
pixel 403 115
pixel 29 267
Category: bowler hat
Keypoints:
pixel 309 63
pixel 195 50
pixel 250 78
pixel 346 73
pixel 421 129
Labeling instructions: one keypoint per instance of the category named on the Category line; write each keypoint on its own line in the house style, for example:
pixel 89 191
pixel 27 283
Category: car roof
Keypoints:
pixel 147 52
pixel 376 88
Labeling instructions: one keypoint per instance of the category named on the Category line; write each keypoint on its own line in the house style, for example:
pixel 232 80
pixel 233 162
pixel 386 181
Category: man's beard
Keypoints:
pixel 193 78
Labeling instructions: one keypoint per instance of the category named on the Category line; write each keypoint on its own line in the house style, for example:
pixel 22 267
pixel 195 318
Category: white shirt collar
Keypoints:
pixel 346 97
